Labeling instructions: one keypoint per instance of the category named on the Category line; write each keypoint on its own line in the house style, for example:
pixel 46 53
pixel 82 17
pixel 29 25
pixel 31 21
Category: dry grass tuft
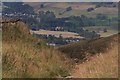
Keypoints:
pixel 99 66
pixel 26 57
pixel 26 61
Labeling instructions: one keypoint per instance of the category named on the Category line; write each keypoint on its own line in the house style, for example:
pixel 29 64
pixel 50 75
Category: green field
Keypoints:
pixel 64 34
pixel 99 30
pixel 77 12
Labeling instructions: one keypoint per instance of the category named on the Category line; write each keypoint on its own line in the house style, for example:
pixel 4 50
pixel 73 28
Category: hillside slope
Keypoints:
pixel 77 9
pixel 95 58
pixel 26 57
pixel 99 66
pixel 86 48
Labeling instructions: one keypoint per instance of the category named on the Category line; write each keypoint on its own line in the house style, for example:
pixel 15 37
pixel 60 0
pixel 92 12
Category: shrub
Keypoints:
pixel 90 9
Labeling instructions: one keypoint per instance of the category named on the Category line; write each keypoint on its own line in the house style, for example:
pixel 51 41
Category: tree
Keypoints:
pixel 97 6
pixel 27 9
pixel 93 34
pixel 60 13
pixel 18 7
pixel 90 9
pixel 42 6
pixel 47 16
pixel 69 8
pixel 105 30
pixel 101 16
pixel 83 17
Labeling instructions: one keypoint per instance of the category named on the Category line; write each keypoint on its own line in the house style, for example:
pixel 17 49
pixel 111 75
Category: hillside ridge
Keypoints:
pixel 80 51
pixel 14 29
pixel 24 56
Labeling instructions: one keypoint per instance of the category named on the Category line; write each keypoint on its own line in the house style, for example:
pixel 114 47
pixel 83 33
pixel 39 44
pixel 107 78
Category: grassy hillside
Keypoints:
pixel 77 9
pixel 100 66
pixel 26 57
pixel 95 58
pixel 0 53
pixel 86 48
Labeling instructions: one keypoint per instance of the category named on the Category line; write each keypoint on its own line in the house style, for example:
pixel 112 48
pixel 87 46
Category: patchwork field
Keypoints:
pixel 108 33
pixel 99 30
pixel 75 35
pixel 57 33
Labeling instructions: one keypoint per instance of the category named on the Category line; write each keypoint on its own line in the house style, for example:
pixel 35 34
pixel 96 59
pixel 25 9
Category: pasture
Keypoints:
pixel 57 33
pixel 99 30
pixel 77 9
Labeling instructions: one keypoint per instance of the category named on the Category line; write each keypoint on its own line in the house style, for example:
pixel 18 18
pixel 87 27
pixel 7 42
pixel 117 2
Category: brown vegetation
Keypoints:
pixel 99 58
pixel 100 66
pixel 86 48
pixel 26 57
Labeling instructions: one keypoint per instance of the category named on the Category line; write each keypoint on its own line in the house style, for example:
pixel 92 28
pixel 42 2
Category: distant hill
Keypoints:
pixel 27 57
pixel 62 14
pixel 78 8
